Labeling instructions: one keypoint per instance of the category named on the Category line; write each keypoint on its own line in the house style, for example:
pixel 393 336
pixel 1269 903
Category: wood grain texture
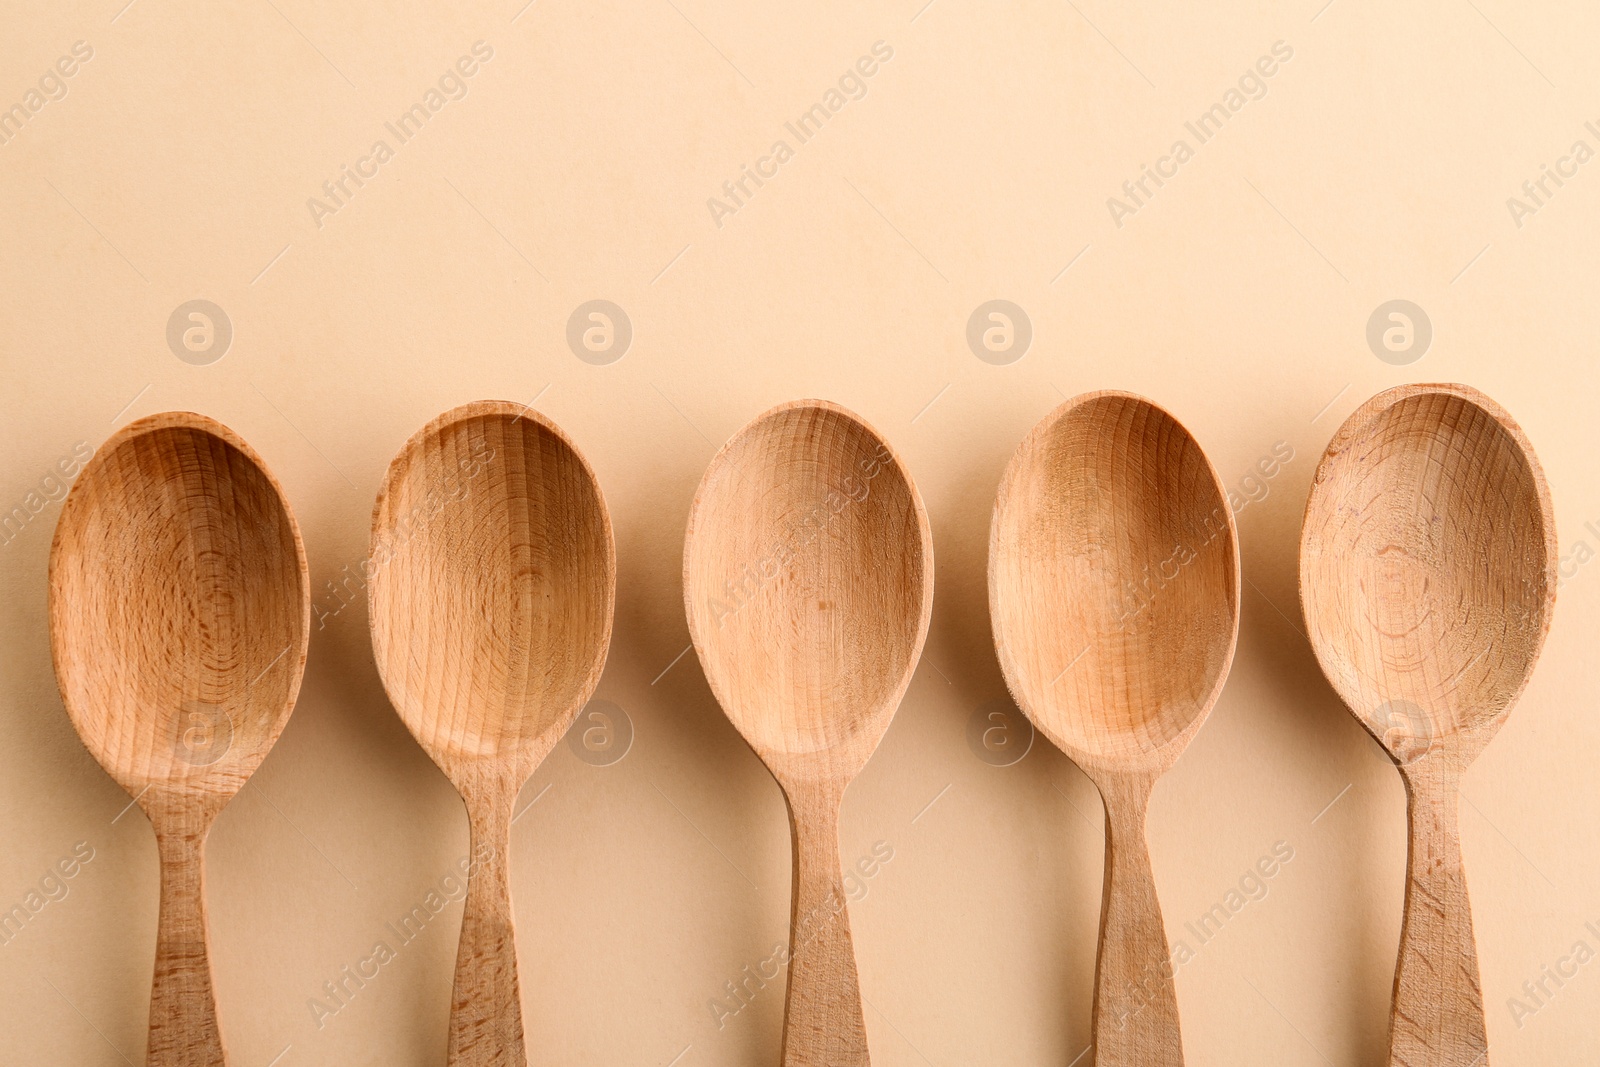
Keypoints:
pixel 1427 578
pixel 822 1017
pixel 179 618
pixel 493 580
pixel 486 997
pixel 1437 1015
pixel 1135 1018
pixel 1114 598
pixel 183 1014
pixel 808 585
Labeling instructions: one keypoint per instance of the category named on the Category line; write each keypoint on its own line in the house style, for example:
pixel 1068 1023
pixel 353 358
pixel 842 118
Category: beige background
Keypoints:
pixel 977 166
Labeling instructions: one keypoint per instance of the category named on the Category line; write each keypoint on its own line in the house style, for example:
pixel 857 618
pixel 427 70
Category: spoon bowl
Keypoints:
pixel 493 579
pixel 1428 577
pixel 1427 567
pixel 808 585
pixel 1114 598
pixel 179 619
pixel 1114 582
pixel 493 554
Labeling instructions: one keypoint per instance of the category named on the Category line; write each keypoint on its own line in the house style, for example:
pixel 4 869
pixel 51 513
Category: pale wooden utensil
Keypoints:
pixel 493 582
pixel 179 613
pixel 808 582
pixel 1428 577
pixel 1114 598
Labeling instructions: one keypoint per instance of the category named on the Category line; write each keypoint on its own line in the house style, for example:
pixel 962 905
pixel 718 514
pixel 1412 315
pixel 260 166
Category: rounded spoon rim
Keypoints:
pixel 205 782
pixel 1357 427
pixel 476 409
pixel 798 762
pixel 1159 758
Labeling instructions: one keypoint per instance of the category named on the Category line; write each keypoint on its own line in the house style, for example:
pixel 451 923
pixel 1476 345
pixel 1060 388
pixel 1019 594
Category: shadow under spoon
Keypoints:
pixel 180 609
pixel 1428 577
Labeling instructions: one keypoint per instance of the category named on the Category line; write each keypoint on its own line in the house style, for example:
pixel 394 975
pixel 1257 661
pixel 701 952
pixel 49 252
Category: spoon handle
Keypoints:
pixel 183 1006
pixel 1437 1017
pixel 823 1025
pixel 486 1004
pixel 1135 1005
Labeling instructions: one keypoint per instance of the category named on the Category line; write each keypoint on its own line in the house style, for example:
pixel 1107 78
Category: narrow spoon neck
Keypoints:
pixel 1433 779
pixel 491 801
pixel 177 815
pixel 181 847
pixel 1126 795
pixel 818 796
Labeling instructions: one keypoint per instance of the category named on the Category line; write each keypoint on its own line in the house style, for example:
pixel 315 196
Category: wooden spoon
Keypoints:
pixel 808 582
pixel 179 613
pixel 1114 595
pixel 494 577
pixel 1428 576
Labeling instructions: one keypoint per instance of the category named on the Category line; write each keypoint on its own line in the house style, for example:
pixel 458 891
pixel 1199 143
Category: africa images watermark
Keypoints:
pixel 743 989
pixel 1251 887
pixel 851 86
pixel 1582 552
pixel 752 578
pixel 1140 592
pixel 350 584
pixel 1255 486
pixel 999 734
pixel 601 734
pixel 1537 192
pixel 338 191
pixel 999 332
pixel 1252 85
pixel 451 888
pixel 599 332
pixel 52 488
pixel 1539 991
pixel 51 888
pixel 50 87
pixel 199 332
pixel 1399 332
